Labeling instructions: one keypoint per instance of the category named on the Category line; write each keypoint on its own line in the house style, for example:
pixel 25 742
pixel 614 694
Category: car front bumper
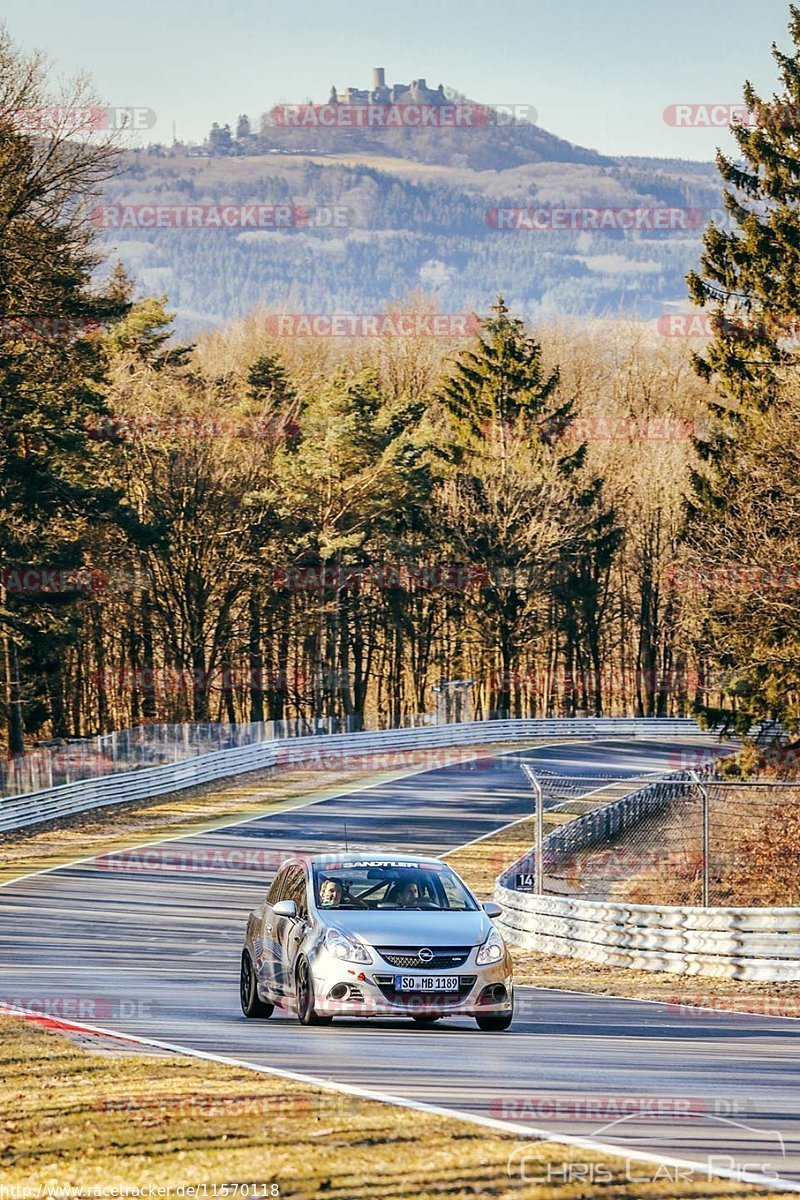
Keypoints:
pixel 347 989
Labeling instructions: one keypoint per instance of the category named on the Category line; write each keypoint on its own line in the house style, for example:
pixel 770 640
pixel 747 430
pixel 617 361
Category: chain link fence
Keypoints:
pixel 683 841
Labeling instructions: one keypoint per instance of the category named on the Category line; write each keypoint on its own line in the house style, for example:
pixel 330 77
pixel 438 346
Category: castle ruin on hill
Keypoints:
pixel 416 92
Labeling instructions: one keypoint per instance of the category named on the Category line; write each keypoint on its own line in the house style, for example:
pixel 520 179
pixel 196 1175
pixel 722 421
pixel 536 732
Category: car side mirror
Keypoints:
pixel 492 910
pixel 285 908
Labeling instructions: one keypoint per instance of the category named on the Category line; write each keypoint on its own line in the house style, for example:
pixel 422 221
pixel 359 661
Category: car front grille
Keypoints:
pixel 444 958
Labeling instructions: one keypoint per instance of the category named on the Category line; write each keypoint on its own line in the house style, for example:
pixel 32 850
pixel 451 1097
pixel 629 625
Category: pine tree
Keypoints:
pixel 750 272
pixel 750 278
pixel 517 508
pixel 500 385
pixel 54 485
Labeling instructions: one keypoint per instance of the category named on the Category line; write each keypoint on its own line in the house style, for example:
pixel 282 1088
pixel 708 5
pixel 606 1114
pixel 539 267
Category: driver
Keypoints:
pixel 407 894
pixel 330 893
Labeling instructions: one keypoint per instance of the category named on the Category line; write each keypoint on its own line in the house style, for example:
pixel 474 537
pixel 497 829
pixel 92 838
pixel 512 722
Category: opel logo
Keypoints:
pixel 425 955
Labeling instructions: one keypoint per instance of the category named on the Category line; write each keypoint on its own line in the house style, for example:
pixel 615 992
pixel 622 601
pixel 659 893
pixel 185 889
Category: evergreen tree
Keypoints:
pixel 220 141
pixel 500 385
pixel 518 510
pixel 268 382
pixel 750 278
pixel 54 483
pixel 750 272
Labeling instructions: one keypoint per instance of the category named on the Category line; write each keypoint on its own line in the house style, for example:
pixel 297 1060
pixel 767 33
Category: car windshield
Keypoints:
pixel 390 886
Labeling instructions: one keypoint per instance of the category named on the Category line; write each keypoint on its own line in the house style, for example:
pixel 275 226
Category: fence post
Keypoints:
pixel 706 834
pixel 539 860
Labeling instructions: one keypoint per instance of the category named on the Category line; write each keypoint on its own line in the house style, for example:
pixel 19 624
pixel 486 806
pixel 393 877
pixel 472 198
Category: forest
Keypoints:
pixel 576 517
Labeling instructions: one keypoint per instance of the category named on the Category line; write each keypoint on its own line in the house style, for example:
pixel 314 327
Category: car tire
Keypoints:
pixel 494 1022
pixel 252 1004
pixel 304 992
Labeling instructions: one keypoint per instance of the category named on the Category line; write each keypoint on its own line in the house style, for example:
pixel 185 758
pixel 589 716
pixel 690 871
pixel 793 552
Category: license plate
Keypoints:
pixel 426 983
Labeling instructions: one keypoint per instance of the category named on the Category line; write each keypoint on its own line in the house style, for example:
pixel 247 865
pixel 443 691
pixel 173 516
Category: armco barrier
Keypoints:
pixel 18 812
pixel 757 944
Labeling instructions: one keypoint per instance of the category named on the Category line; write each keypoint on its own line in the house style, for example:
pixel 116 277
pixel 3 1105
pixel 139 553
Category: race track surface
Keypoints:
pixel 148 942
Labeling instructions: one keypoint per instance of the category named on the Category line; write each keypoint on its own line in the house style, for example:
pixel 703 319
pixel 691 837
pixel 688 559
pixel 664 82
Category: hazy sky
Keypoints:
pixel 599 74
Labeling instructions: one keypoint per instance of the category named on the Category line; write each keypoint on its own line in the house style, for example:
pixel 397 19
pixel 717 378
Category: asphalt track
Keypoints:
pixel 148 943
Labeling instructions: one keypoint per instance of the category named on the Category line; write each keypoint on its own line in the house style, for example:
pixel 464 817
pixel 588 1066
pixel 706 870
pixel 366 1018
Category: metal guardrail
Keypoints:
pixel 736 943
pixel 757 944
pixel 71 760
pixel 327 751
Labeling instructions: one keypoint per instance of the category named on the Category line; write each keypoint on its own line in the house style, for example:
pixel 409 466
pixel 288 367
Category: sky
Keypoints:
pixel 598 74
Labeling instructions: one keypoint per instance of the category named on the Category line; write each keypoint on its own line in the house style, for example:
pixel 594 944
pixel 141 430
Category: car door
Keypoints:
pixel 269 967
pixel 292 930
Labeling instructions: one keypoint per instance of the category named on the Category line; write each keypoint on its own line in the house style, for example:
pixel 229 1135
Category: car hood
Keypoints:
pixel 412 928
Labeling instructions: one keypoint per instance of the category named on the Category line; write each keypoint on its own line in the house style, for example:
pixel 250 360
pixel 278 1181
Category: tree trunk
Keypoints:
pixel 16 728
pixel 255 659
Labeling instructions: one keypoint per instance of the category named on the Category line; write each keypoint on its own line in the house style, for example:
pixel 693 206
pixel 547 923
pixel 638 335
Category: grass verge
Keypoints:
pixel 70 1118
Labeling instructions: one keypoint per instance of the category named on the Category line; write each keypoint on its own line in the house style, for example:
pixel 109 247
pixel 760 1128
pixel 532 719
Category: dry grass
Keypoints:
pixel 73 1118
pixel 481 863
pixel 755 845
pixel 681 991
pixel 86 1120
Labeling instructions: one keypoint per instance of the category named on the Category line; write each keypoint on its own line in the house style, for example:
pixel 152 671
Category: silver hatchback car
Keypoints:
pixel 375 935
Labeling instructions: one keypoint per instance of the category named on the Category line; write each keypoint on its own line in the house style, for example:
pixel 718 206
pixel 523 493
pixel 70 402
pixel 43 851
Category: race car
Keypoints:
pixel 375 935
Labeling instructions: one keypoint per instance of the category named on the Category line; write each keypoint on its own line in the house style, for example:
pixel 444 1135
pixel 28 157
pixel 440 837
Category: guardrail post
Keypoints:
pixel 538 885
pixel 706 834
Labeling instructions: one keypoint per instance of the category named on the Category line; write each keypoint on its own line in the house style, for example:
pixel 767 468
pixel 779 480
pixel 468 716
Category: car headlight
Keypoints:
pixel 349 949
pixel 492 949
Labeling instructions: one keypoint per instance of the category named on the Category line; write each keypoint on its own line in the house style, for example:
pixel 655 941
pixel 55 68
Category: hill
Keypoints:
pixel 413 225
